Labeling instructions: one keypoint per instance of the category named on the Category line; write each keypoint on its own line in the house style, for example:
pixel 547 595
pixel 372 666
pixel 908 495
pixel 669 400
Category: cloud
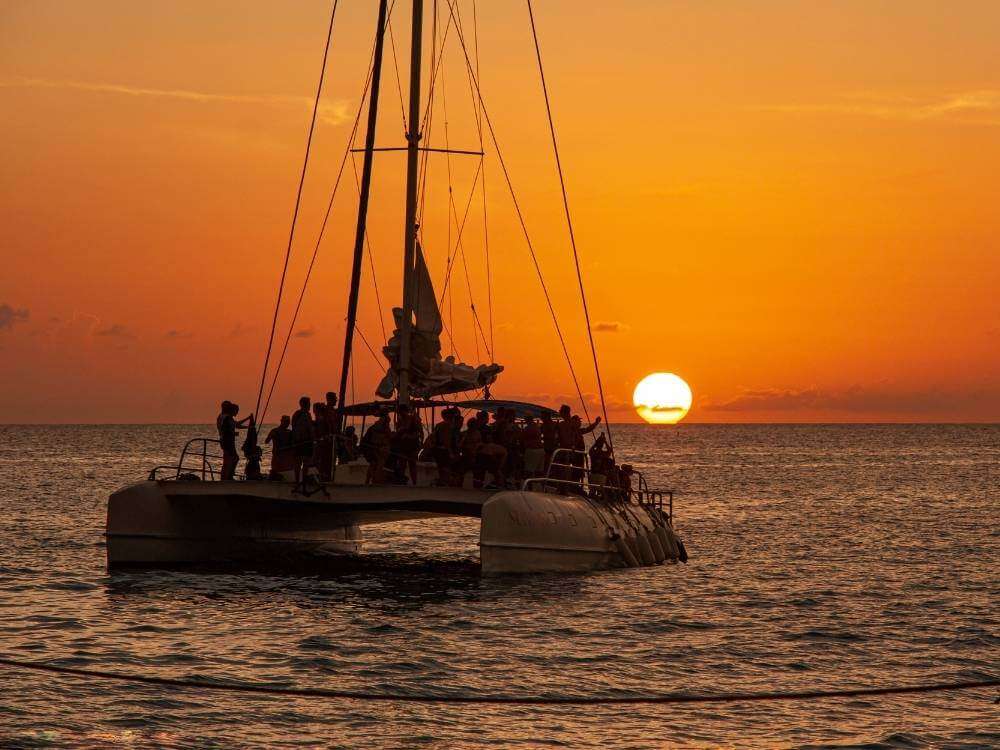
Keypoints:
pixel 972 107
pixel 10 316
pixel 115 331
pixel 604 326
pixel 330 112
pixel 880 399
pixel 305 333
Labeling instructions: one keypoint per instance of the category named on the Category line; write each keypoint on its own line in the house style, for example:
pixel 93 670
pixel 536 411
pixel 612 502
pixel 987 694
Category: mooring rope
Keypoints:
pixel 243 687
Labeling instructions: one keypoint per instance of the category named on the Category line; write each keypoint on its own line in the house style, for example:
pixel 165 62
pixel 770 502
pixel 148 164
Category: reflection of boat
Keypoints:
pixel 566 520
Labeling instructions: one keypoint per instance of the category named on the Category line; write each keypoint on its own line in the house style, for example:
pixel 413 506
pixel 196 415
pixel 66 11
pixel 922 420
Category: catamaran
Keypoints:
pixel 568 518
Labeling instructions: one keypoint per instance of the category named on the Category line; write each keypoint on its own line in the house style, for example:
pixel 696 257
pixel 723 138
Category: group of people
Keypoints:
pixel 498 449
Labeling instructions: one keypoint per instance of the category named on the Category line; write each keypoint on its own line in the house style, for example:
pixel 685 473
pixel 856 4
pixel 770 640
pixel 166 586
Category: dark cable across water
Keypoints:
pixel 236 687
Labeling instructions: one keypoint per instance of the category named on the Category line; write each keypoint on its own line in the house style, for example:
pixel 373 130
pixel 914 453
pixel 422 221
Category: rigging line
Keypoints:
pixel 486 230
pixel 322 231
pixel 436 69
pixel 461 230
pixel 665 698
pixel 524 226
pixel 454 257
pixel 298 202
pixel 451 205
pixel 395 65
pixel 428 119
pixel 371 256
pixel 378 361
pixel 453 209
pixel 569 224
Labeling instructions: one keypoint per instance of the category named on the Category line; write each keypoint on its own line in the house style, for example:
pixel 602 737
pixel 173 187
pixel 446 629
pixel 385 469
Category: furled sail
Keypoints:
pixel 430 375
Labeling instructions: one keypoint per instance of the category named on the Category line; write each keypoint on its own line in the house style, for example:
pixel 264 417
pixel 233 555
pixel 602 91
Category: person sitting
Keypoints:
pixel 375 449
pixel 625 474
pixel 282 452
pixel 347 446
pixel 303 438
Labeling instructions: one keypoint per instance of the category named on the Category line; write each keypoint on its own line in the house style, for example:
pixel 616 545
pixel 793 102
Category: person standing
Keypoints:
pixel 303 438
pixel 282 453
pixel 323 441
pixel 375 448
pixel 408 438
pixel 550 438
pixel 228 426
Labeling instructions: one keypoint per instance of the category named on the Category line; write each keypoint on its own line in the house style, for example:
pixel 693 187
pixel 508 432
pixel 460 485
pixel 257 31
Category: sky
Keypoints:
pixel 791 205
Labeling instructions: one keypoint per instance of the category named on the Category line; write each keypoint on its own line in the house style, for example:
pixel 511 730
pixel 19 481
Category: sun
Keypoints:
pixel 662 398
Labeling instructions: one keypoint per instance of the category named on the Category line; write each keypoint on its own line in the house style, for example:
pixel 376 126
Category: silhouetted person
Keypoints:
pixel 347 446
pixel 252 452
pixel 282 452
pixel 550 438
pixel 323 452
pixel 408 438
pixel 303 438
pixel 228 426
pixel 445 440
pixel 534 449
pixel 375 448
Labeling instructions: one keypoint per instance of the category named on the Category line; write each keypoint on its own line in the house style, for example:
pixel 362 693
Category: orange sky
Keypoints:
pixel 791 205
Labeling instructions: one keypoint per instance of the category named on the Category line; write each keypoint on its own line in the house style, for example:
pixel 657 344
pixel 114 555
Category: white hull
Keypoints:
pixel 189 522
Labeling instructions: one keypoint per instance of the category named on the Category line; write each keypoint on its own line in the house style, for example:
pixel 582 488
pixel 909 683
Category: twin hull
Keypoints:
pixel 188 522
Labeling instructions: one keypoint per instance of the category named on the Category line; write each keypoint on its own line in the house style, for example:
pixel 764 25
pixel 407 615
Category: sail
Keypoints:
pixel 430 375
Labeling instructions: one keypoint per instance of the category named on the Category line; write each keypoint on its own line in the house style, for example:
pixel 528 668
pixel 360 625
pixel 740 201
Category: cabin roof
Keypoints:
pixel 520 408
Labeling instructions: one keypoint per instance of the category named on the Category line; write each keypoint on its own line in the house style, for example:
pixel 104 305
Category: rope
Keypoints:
pixel 395 65
pixel 520 215
pixel 322 230
pixel 668 698
pixel 371 258
pixel 486 229
pixel 295 213
pixel 569 224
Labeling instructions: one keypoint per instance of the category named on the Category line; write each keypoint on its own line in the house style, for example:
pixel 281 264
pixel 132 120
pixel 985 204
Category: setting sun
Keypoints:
pixel 662 398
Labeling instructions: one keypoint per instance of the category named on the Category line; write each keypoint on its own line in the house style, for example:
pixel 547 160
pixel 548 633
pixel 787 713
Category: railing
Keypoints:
pixel 195 462
pixel 662 500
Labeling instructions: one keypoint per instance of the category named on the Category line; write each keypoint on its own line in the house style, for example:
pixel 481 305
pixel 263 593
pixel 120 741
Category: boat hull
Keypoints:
pixel 537 532
pixel 177 523
pixel 171 523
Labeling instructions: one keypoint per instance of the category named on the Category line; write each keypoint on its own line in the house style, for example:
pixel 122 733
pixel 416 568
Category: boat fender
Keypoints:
pixel 624 550
pixel 682 553
pixel 645 551
pixel 667 540
pixel 654 544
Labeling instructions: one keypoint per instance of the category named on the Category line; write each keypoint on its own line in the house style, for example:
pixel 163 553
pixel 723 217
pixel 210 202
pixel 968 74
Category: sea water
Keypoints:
pixel 822 557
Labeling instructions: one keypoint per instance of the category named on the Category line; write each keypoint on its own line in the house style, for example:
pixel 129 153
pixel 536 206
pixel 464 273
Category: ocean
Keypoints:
pixel 821 557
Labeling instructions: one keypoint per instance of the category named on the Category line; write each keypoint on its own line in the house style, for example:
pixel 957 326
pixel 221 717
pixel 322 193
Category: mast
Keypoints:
pixel 366 182
pixel 410 230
